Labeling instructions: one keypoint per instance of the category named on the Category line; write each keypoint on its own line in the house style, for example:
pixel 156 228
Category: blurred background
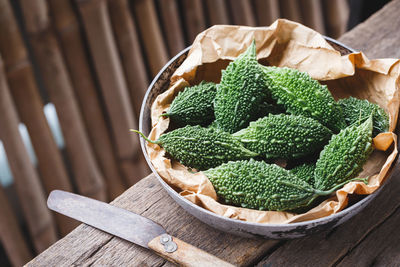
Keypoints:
pixel 73 74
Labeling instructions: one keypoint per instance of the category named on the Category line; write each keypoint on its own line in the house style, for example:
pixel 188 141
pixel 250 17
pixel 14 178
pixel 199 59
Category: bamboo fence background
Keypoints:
pixel 93 59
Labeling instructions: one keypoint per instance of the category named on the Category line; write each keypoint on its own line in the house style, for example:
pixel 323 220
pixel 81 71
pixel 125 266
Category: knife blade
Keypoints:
pixel 131 227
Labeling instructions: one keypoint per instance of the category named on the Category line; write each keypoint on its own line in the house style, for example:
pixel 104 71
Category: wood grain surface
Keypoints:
pixel 369 238
pixel 186 254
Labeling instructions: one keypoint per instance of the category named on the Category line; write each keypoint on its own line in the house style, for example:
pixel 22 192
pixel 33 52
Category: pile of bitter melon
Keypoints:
pixel 234 131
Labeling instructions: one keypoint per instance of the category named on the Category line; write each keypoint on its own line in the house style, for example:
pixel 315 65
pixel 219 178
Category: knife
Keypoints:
pixel 131 227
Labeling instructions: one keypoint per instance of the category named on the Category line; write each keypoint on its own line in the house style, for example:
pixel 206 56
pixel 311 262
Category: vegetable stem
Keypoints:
pixel 144 137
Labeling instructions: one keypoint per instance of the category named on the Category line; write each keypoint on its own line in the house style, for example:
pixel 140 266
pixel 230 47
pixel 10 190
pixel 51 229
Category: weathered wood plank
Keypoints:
pixel 381 247
pixel 85 245
pixel 379 36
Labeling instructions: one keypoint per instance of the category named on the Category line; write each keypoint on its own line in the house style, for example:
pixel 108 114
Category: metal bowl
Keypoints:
pixel 237 227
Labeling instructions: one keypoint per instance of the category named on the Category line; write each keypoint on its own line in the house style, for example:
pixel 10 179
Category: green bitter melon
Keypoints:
pixel 201 148
pixel 302 95
pixel 241 91
pixel 305 172
pixel 259 185
pixel 358 110
pixel 284 136
pixel 194 105
pixel 344 156
pixel 266 108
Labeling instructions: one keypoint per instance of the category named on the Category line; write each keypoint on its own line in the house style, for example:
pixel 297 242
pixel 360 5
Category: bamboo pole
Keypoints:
pixel 217 12
pixel 134 170
pixel 113 86
pixel 30 108
pixel 312 15
pixel 242 12
pixel 336 17
pixel 129 49
pixel 150 33
pixel 290 9
pixel 69 35
pixel 30 194
pixel 10 235
pixel 193 14
pixel 88 177
pixel 267 11
pixel 171 24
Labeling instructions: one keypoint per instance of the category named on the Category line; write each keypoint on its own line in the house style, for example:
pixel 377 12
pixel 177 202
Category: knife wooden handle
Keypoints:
pixel 184 253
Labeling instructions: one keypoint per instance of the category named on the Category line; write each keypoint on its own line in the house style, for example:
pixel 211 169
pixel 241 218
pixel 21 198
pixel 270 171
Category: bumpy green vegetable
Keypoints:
pixel 266 108
pixel 305 172
pixel 302 95
pixel 259 185
pixel 357 111
pixel 213 125
pixel 194 105
pixel 344 156
pixel 240 92
pixel 201 148
pixel 284 136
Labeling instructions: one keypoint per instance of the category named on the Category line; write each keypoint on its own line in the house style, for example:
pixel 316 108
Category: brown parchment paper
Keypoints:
pixel 289 44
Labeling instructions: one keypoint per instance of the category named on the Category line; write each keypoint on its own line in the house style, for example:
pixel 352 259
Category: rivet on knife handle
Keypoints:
pixel 184 254
pixel 169 245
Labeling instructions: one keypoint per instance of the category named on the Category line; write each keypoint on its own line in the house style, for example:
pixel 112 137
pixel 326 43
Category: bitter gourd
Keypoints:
pixel 213 125
pixel 305 172
pixel 266 108
pixel 357 110
pixel 344 156
pixel 284 136
pixel 302 95
pixel 201 148
pixel 240 92
pixel 194 105
pixel 259 185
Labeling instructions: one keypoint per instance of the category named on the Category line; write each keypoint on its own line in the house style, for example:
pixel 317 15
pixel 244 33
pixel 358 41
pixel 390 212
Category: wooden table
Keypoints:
pixel 370 238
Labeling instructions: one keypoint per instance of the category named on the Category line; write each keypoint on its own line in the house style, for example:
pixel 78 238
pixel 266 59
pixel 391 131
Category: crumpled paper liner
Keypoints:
pixel 289 44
